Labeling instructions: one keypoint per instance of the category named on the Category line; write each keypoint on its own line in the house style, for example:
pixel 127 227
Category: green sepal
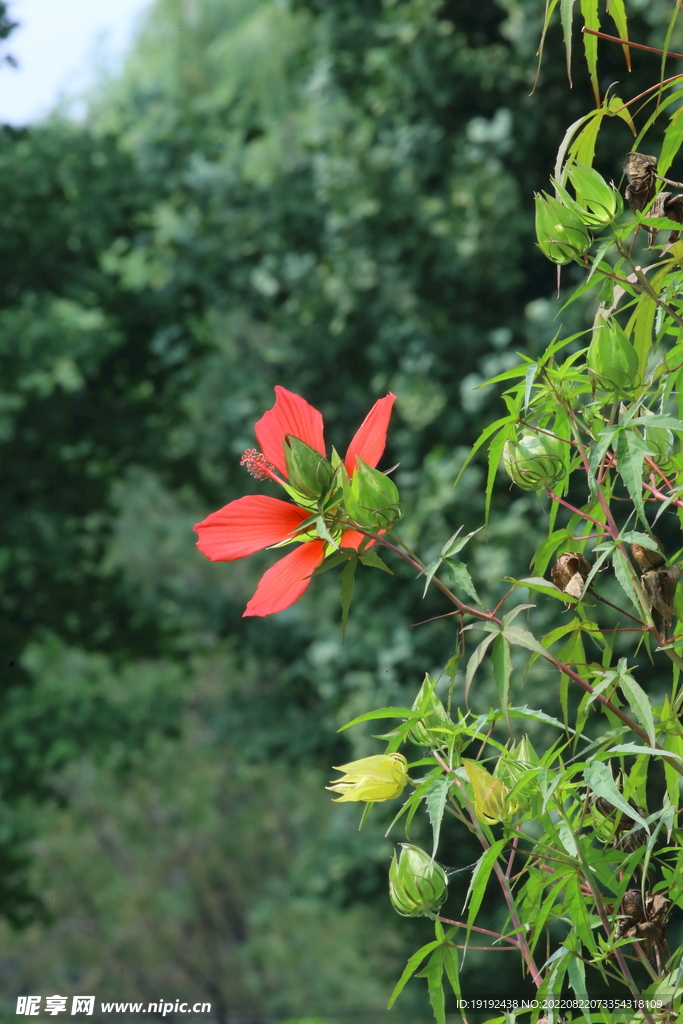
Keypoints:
pixel 307 470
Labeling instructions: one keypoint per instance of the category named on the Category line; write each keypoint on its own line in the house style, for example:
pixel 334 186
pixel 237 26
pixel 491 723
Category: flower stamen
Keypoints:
pixel 258 466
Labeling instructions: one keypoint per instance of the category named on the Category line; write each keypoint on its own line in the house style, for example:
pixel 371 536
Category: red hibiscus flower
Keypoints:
pixel 257 521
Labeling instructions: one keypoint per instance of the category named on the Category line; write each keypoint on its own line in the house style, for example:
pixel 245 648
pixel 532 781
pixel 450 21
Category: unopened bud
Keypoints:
pixel 375 778
pixel 598 202
pixel 308 471
pixel 535 461
pixel 417 884
pixel 611 359
pixel 562 235
pixel 661 445
pixel 435 723
pixel 491 803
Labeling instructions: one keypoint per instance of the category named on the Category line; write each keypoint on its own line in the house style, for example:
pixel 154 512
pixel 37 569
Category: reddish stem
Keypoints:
pixel 475 928
pixel 576 511
pixel 627 42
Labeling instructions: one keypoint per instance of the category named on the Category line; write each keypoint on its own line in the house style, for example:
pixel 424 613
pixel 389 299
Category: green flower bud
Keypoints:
pixel 513 767
pixel 536 460
pixel 597 203
pixel 562 235
pixel 612 360
pixel 435 723
pixel 371 497
pixel 661 443
pixel 417 885
pixel 309 472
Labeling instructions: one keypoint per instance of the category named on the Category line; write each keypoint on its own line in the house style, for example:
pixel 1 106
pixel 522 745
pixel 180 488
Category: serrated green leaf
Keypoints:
pixel 492 428
pixel 462 578
pixel 373 560
pixel 543 586
pixel 323 532
pixel 567 838
pixel 657 420
pixel 566 17
pixel 494 455
pixel 429 573
pixel 479 880
pixel 673 138
pixel 382 713
pixel 589 10
pixel 641 326
pixel 631 451
pixel 457 543
pixel 550 6
pixel 410 968
pixel 618 14
pixel 450 962
pixel 433 973
pixel 333 560
pixel 537 716
pixel 346 577
pixel 602 443
pixel 522 638
pixel 639 703
pixel 502 669
pixel 475 661
pixel 625 579
pixel 598 778
pixel 435 801
pixel 577 971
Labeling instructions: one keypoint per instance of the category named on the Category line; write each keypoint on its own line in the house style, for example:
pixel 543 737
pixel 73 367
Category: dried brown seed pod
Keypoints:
pixel 645 922
pixel 659 586
pixel 570 573
pixel 631 911
pixel 640 170
pixel 649 558
pixel 666 205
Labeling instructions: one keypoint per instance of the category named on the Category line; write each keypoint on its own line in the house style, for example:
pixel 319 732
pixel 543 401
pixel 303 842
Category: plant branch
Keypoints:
pixel 633 46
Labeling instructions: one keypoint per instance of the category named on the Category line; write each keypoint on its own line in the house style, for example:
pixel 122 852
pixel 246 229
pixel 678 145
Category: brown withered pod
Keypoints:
pixel 641 173
pixel 570 572
pixel 666 205
pixel 659 586
pixel 648 558
pixel 644 920
pixel 659 582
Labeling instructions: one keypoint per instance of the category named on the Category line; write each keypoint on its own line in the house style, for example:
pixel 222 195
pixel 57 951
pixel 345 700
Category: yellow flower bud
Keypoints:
pixel 490 794
pixel 380 777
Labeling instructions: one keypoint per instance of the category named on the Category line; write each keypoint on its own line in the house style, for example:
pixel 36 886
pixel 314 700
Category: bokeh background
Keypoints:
pixel 331 195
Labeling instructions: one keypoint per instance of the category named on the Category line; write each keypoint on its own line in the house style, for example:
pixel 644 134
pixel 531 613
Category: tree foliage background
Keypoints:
pixel 335 197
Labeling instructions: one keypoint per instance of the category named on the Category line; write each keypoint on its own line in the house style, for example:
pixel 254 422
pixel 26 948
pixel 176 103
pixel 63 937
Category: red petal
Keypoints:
pixel 371 437
pixel 354 538
pixel 291 414
pixel 285 582
pixel 247 525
